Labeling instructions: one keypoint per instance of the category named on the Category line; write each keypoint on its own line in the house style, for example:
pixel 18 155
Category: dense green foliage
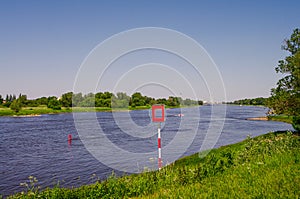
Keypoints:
pixel 101 99
pixel 285 97
pixel 66 99
pixel 15 106
pixel 70 102
pixel 263 167
pixel 256 101
pixel 296 123
pixel 54 104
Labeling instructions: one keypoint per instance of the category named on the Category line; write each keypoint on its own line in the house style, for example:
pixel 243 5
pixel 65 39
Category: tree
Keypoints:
pixel 200 102
pixel 76 99
pixel 285 98
pixel 1 99
pixel 15 106
pixel 120 101
pixel 88 100
pixel 32 103
pixel 22 99
pixel 173 101
pixel 42 101
pixel 54 103
pixel 66 99
pixel 137 100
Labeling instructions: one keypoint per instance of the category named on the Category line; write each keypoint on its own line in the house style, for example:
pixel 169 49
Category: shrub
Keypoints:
pixel 15 106
pixel 54 104
pixel 296 123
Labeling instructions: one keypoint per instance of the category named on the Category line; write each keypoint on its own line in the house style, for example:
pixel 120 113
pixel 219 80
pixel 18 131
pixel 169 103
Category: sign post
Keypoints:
pixel 158 115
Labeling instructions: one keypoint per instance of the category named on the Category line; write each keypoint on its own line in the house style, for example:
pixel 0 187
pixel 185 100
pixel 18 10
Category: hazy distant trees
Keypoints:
pixel 255 101
pixel 121 100
pixel 76 99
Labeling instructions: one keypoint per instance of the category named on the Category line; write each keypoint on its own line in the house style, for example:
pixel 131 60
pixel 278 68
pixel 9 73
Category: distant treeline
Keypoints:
pixel 101 99
pixel 256 101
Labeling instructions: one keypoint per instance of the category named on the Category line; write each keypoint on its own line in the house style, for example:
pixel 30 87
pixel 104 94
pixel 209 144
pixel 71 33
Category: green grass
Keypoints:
pixel 44 110
pixel 281 118
pixel 267 166
pixel 32 111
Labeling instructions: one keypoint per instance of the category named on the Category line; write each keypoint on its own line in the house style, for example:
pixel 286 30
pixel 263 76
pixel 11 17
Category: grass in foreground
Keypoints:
pixel 267 166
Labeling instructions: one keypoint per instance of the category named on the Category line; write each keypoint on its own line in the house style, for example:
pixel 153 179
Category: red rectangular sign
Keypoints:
pixel 156 109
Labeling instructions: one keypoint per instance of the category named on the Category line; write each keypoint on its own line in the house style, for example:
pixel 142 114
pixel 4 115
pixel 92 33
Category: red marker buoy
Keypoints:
pixel 69 137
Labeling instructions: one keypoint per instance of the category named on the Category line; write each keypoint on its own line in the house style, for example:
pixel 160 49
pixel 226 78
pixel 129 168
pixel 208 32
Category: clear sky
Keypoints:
pixel 43 43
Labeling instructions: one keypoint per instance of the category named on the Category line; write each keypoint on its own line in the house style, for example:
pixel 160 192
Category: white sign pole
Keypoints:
pixel 159 147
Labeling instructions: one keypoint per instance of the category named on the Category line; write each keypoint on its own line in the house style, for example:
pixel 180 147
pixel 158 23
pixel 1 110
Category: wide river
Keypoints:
pixel 39 147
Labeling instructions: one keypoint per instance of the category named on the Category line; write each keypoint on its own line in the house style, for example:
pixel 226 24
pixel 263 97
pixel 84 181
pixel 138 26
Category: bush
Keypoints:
pixel 15 106
pixel 296 123
pixel 54 104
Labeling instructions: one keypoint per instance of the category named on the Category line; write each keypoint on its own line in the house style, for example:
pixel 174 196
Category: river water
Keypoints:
pixel 38 146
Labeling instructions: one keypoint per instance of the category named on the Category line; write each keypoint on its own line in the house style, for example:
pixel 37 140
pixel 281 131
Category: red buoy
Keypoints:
pixel 70 139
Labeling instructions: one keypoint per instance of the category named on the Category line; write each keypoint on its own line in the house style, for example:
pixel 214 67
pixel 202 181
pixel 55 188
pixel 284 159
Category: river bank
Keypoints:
pixel 37 111
pixel 278 118
pixel 264 166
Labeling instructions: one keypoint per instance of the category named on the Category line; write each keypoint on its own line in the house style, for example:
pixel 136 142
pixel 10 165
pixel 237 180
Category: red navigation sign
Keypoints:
pixel 158 113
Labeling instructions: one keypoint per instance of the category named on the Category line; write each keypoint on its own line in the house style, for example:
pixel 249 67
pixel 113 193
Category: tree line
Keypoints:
pixel 259 101
pixel 100 99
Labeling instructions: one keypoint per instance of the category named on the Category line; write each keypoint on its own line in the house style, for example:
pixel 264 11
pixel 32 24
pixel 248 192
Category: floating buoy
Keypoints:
pixel 69 137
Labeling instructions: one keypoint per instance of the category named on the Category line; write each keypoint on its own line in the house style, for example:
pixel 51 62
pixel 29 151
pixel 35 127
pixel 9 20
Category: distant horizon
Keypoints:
pixel 166 97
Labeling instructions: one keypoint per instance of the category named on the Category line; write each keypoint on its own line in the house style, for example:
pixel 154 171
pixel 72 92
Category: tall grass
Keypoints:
pixel 267 166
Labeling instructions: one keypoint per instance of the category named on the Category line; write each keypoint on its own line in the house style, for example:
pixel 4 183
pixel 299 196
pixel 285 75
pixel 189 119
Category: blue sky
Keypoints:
pixel 43 43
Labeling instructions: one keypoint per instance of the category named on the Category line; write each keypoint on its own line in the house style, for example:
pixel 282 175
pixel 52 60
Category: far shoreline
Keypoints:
pixel 38 111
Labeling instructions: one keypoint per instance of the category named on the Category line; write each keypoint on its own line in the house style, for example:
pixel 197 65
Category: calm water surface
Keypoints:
pixel 38 146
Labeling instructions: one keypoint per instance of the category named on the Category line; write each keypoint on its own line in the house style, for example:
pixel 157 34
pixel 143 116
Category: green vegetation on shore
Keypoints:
pixel 37 111
pixel 262 167
pixel 281 118
pixel 70 102
pixel 285 98
pixel 259 101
